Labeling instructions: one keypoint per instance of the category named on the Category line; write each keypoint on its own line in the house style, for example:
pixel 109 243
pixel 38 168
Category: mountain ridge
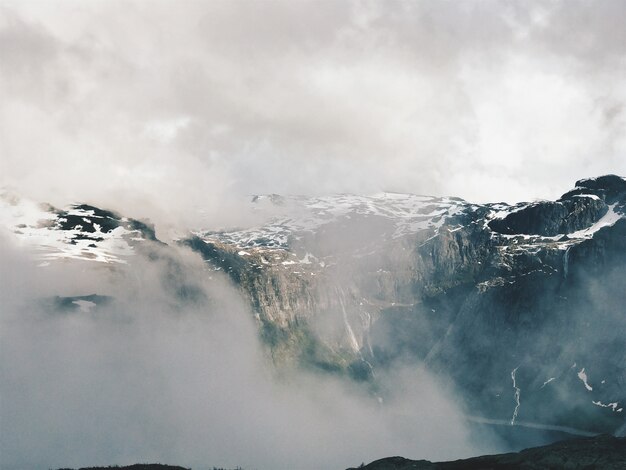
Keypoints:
pixel 352 285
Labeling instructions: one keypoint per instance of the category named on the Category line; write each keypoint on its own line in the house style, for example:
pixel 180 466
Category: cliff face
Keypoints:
pixel 521 306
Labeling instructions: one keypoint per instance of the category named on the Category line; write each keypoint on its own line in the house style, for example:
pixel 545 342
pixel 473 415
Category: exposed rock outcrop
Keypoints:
pixel 472 291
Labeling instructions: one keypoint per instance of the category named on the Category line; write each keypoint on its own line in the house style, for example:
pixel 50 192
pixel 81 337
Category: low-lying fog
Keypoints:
pixel 172 372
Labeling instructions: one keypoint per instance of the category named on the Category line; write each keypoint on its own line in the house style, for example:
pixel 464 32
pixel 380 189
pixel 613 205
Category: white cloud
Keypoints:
pixel 162 107
pixel 153 377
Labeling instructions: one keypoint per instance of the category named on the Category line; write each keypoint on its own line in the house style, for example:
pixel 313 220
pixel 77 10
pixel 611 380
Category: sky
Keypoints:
pixel 163 108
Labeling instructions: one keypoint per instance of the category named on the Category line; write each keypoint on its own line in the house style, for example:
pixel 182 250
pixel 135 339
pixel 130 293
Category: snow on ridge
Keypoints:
pixel 504 210
pixel 562 241
pixel 409 214
pixel 591 196
pixel 607 220
pixel 35 226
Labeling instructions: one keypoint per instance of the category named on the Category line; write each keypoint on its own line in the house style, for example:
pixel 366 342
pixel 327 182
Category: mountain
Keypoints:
pixel 519 308
pixel 601 452
pixel 80 232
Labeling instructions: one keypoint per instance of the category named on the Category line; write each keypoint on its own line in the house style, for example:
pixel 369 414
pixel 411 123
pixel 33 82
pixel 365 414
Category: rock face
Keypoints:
pixel 602 452
pixel 521 306
pixel 551 218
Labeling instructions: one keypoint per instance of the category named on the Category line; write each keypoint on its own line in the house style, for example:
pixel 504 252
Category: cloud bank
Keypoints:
pixel 163 377
pixel 156 106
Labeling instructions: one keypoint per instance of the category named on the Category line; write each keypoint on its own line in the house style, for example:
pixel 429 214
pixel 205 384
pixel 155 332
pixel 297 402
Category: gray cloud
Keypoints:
pixel 152 107
pixel 157 377
pixel 161 109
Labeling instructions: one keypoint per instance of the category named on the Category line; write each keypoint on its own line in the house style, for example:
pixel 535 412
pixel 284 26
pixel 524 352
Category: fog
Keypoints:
pixel 174 107
pixel 172 371
pixel 178 112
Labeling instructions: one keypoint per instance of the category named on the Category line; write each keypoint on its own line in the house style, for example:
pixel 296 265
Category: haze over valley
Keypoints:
pixel 311 235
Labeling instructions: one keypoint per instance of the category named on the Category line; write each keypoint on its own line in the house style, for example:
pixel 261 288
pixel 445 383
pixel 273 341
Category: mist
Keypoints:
pixel 178 112
pixel 172 371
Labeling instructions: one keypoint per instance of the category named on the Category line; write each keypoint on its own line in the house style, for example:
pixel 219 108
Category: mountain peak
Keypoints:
pixel 609 188
pixel 611 183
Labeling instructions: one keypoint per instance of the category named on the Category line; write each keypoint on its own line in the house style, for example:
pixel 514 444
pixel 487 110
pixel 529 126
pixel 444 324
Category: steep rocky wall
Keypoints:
pixel 514 304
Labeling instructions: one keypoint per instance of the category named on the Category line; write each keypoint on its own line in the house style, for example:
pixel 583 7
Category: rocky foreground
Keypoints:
pixel 137 466
pixel 601 452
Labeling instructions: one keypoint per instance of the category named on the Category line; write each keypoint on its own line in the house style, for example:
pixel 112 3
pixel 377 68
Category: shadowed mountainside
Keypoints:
pixel 601 452
pixel 518 308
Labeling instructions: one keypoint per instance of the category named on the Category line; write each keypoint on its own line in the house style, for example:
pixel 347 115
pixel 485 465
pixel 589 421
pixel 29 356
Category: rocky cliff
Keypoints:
pixel 519 307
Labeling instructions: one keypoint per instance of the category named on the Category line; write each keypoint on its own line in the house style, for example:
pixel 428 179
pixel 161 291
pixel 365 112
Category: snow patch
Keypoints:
pixel 591 196
pixel 35 227
pixel 582 375
pixel 607 220
pixel 84 305
pixel 408 214
pixel 613 406
pixel 307 259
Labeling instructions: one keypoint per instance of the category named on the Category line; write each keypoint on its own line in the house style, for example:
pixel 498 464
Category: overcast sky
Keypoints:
pixel 164 106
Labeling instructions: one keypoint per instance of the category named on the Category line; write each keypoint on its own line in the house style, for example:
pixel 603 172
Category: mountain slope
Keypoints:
pixel 520 308
pixel 518 305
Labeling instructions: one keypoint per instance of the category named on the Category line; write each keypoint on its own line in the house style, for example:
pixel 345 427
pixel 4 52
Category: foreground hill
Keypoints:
pixel 137 466
pixel 602 453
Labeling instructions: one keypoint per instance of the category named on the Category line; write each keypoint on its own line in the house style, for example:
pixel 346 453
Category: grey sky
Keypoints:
pixel 155 108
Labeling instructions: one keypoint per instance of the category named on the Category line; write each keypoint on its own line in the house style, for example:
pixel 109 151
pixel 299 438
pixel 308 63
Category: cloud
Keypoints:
pixel 161 108
pixel 174 110
pixel 160 376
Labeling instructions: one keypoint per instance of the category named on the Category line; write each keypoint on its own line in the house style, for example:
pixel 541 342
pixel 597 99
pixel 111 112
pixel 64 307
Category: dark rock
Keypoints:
pixel 551 218
pixel 72 304
pixel 138 466
pixel 596 453
pixel 475 300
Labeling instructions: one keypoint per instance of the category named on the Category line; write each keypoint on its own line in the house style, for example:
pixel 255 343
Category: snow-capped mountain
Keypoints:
pixel 520 307
pixel 404 214
pixel 80 232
